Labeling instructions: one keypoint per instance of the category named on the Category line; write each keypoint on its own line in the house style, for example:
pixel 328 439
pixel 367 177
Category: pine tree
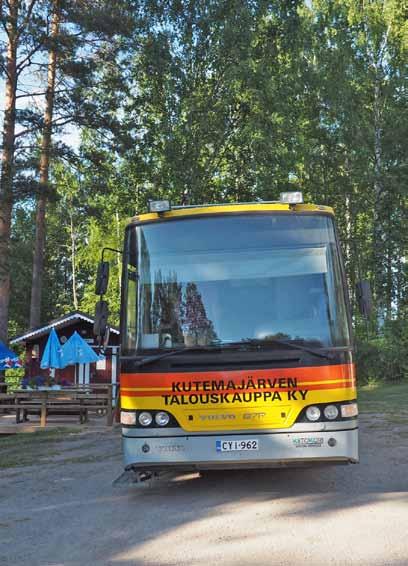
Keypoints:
pixel 22 22
pixel 38 260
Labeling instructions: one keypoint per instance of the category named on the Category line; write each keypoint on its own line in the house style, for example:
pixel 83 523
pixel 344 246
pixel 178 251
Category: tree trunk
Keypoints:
pixel 118 246
pixel 389 291
pixel 378 219
pixel 7 166
pixel 39 247
pixel 73 262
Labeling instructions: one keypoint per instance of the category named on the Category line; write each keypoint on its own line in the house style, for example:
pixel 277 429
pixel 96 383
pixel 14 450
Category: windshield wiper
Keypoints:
pixel 157 357
pixel 218 347
pixel 261 342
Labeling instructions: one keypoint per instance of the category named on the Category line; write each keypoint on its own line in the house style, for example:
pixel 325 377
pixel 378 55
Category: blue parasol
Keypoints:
pixel 77 351
pixel 52 356
pixel 8 359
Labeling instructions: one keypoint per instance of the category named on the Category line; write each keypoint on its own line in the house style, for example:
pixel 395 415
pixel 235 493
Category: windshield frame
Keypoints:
pixel 342 279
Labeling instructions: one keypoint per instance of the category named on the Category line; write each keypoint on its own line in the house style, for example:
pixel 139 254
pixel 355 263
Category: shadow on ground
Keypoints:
pixel 70 514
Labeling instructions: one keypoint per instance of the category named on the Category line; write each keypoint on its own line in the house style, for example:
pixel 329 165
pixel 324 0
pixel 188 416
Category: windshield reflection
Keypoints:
pixel 253 281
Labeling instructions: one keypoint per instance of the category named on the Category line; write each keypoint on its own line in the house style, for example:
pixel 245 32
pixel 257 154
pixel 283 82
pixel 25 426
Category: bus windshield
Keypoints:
pixel 231 278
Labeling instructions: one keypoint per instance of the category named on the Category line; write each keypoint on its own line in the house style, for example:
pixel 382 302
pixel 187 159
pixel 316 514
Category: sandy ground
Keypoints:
pixel 64 510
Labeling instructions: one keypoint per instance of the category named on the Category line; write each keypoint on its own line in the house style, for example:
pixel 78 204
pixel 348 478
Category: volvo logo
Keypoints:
pixel 218 417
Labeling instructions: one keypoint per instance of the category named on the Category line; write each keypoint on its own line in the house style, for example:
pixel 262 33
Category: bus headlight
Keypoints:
pixel 331 412
pixel 349 410
pixel 162 418
pixel 145 418
pixel 313 413
pixel 127 418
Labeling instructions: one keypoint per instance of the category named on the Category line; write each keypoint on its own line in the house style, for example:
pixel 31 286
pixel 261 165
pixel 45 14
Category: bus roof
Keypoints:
pixel 229 208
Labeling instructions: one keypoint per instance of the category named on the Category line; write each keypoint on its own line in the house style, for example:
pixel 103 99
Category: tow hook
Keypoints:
pixel 139 478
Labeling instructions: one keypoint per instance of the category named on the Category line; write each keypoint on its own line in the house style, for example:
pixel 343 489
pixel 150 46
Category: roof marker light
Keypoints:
pixel 293 197
pixel 159 206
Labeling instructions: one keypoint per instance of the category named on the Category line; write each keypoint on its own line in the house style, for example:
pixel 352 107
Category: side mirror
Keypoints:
pixel 364 298
pixel 101 319
pixel 102 278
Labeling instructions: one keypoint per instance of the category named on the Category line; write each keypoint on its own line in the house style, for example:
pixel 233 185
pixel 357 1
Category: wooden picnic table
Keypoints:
pixel 77 400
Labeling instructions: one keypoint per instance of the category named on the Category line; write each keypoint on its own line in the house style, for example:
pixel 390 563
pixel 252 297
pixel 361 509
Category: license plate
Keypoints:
pixel 233 445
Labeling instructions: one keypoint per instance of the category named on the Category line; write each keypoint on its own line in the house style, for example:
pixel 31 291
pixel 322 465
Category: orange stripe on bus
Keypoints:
pixel 341 372
pixel 129 393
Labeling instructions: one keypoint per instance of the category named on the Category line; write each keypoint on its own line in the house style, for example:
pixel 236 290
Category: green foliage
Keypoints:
pixel 383 357
pixel 231 101
pixel 13 378
pixel 21 249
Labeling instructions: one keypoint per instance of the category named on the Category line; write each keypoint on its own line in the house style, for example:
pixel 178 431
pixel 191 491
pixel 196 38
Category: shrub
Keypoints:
pixel 13 378
pixel 383 357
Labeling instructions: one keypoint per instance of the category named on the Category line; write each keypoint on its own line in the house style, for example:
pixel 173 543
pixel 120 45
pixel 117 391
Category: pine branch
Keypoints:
pixel 55 123
pixel 3 23
pixel 4 68
pixel 26 62
pixel 43 93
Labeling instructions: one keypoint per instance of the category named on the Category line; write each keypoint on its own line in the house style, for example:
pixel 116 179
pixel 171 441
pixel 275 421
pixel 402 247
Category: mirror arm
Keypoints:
pixel 110 250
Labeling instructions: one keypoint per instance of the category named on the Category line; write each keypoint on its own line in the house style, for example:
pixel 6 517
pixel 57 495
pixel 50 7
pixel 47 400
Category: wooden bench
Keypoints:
pixel 43 409
pixel 6 402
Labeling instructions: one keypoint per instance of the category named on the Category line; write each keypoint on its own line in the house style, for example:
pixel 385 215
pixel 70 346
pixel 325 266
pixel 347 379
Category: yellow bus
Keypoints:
pixel 236 338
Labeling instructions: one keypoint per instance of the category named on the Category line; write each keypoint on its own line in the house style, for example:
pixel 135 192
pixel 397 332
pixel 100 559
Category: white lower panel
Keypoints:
pixel 274 449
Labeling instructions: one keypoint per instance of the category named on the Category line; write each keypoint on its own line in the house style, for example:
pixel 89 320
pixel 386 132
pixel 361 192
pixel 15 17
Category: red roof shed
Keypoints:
pixel 105 371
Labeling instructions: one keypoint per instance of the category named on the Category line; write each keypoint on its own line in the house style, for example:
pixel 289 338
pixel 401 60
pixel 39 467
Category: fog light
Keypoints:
pixel 162 418
pixel 332 442
pixel 313 413
pixel 331 412
pixel 145 419
pixel 127 418
pixel 349 410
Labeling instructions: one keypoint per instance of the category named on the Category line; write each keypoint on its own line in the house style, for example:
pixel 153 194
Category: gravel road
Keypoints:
pixel 64 511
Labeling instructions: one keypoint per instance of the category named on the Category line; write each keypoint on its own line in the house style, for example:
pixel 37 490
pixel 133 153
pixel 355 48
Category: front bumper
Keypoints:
pixel 194 452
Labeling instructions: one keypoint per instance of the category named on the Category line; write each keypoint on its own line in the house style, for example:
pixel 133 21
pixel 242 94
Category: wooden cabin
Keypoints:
pixel 34 341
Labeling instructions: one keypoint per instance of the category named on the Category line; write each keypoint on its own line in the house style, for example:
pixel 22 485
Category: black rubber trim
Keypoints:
pixel 224 433
pixel 232 360
pixel 173 422
pixel 254 465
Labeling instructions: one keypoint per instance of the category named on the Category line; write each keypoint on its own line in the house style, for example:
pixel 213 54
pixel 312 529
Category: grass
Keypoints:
pixel 389 396
pixel 387 400
pixel 27 449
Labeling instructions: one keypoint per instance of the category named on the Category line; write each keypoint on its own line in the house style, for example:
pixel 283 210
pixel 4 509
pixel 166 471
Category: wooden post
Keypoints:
pixel 109 409
pixel 43 419
pixel 16 401
pixel 117 404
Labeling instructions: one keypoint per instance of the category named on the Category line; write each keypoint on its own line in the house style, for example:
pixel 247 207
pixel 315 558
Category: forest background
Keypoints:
pixel 110 104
